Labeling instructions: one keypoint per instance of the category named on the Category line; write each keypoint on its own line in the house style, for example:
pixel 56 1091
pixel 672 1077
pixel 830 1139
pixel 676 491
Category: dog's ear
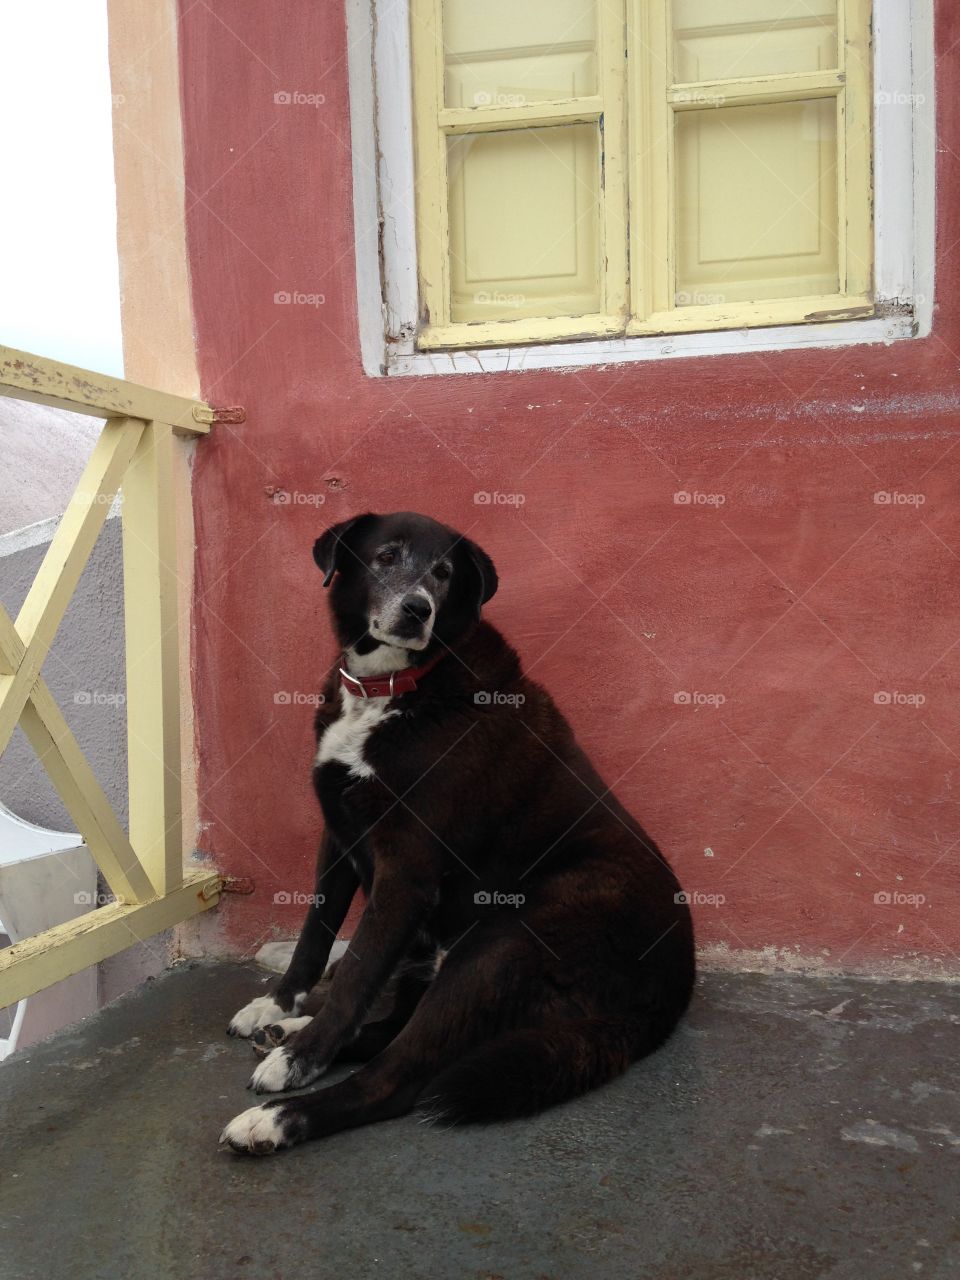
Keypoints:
pixel 485 570
pixel 330 548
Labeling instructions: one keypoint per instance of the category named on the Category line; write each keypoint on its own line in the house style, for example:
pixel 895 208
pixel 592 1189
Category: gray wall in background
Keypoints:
pixel 86 659
pixel 85 674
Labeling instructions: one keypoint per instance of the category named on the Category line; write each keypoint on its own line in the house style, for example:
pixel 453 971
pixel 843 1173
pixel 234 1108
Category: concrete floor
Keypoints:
pixel 794 1129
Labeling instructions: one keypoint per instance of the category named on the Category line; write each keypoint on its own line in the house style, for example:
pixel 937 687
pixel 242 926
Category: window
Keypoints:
pixel 710 170
pixel 586 180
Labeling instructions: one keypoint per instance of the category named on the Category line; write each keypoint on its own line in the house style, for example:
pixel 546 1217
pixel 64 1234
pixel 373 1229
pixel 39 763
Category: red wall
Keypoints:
pixel 797 600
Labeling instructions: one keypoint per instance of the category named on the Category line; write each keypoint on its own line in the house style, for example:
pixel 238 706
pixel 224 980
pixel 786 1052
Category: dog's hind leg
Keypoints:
pixel 481 994
pixel 264 1039
pixel 373 1037
pixel 526 1070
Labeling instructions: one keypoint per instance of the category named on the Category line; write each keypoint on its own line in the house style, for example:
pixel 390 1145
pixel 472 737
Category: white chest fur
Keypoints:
pixel 345 739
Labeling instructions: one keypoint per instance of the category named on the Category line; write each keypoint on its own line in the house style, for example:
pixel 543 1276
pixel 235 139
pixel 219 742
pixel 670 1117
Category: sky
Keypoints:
pixel 59 276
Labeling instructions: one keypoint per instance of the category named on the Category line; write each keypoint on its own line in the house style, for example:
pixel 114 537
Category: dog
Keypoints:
pixel 532 938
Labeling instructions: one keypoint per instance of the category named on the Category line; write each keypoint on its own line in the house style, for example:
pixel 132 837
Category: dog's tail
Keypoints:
pixel 521 1072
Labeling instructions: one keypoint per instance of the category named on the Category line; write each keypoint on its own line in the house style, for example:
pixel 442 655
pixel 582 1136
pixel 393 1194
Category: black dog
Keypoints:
pixel 537 941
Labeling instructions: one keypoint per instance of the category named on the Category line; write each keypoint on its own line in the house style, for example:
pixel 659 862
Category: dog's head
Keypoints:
pixel 402 580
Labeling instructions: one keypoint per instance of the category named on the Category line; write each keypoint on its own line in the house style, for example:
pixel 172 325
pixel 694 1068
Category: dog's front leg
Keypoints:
pixel 401 899
pixel 336 883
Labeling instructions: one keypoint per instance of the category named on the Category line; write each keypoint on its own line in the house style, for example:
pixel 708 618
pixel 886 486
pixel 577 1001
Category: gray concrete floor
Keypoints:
pixel 794 1129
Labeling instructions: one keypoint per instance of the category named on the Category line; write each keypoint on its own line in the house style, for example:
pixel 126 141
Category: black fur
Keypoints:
pixel 479 788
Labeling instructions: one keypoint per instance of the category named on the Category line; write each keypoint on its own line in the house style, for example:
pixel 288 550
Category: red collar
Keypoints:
pixel 387 686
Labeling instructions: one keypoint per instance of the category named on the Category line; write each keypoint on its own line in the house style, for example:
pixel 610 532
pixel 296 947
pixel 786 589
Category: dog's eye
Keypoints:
pixel 441 572
pixel 386 557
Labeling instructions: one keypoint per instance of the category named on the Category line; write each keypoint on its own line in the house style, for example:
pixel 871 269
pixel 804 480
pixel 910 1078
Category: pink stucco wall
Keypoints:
pixel 798 798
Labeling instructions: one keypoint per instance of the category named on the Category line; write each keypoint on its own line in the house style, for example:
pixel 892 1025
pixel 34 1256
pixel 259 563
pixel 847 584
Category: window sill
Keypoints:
pixel 619 350
pixel 682 321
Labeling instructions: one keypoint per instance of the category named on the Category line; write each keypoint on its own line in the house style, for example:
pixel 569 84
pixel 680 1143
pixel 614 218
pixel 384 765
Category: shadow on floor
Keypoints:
pixel 794 1129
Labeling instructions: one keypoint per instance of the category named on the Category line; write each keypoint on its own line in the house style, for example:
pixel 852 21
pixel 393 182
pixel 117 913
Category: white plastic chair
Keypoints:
pixel 46 878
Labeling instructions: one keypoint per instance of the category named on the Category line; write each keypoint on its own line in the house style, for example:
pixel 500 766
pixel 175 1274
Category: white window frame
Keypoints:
pixel 381 102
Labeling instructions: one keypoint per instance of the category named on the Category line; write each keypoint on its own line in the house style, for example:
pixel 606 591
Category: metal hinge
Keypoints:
pixel 217 885
pixel 234 414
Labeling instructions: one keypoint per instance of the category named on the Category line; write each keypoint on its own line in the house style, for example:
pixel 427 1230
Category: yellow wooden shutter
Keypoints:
pixel 742 126
pixel 751 185
pixel 520 122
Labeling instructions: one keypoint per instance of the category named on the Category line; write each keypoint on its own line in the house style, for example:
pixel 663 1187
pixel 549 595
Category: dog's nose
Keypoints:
pixel 416 606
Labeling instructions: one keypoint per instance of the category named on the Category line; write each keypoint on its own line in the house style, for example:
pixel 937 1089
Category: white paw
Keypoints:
pixel 280 1070
pixel 258 1013
pixel 275 1073
pixel 258 1131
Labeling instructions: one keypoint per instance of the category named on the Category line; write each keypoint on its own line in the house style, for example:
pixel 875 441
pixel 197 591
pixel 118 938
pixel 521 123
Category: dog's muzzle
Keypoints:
pixel 405 620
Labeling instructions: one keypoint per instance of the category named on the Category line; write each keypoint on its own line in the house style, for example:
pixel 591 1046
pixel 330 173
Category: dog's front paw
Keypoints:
pixel 260 1012
pixel 256 1014
pixel 281 1069
pixel 260 1131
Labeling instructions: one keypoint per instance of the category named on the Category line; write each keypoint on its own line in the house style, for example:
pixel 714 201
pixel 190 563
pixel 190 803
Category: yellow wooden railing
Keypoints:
pixel 142 866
